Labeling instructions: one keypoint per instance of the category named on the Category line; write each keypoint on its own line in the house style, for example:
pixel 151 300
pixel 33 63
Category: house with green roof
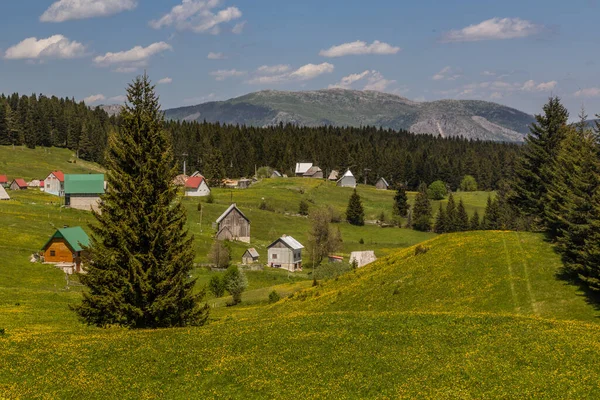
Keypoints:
pixel 83 191
pixel 66 247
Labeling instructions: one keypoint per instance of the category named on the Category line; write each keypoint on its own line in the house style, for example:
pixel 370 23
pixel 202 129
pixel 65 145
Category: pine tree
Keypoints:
pixel 475 224
pixel 421 215
pixel 401 205
pixel 462 218
pixel 491 216
pixel 141 254
pixel 4 124
pixel 355 214
pixel 215 169
pixel 441 221
pixel 451 215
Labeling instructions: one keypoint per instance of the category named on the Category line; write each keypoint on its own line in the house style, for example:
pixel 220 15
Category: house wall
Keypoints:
pixel 82 202
pixel 380 185
pixel 347 181
pixel 281 256
pixel 202 191
pixel 62 252
pixel 53 186
pixel 239 227
pixel 14 186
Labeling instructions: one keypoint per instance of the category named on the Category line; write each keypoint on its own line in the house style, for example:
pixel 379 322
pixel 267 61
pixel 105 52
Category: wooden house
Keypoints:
pixel 347 180
pixel 4 181
pixel 244 183
pixel 301 168
pixel 3 194
pixel 196 186
pixel 334 175
pixel 250 257
pixel 55 183
pixel 83 191
pixel 18 184
pixel 285 253
pixel 362 258
pixel 276 174
pixel 233 225
pixel 382 184
pixel 66 246
pixel 314 172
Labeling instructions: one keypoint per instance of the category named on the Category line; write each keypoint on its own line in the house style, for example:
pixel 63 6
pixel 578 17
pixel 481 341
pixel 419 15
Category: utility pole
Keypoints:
pixel 366 174
pixel 184 155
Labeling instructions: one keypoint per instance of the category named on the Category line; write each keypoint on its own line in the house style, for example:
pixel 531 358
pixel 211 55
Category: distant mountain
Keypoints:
pixel 469 118
pixel 111 109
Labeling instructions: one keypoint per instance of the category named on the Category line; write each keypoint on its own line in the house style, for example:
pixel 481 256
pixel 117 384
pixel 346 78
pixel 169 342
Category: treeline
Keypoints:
pixel 38 120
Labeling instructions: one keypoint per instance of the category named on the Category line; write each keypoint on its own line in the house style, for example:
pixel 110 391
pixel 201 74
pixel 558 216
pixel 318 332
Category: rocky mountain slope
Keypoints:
pixel 468 118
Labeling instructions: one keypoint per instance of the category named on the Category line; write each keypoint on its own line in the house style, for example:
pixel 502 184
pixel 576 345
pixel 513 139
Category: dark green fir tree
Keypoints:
pixel 401 205
pixel 475 223
pixel 462 218
pixel 355 214
pixel 422 213
pixel 441 221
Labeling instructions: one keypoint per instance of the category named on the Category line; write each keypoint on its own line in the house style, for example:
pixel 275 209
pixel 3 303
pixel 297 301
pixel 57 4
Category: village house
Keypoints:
pixel 335 259
pixel 314 172
pixel 3 194
pixel 233 225
pixel 35 184
pixel 250 257
pixel 83 191
pixel 276 174
pixel 301 168
pixel 55 183
pixel 285 253
pixel 362 258
pixel 4 181
pixel 196 186
pixel 334 175
pixel 382 184
pixel 244 183
pixel 65 248
pixel 18 184
pixel 347 180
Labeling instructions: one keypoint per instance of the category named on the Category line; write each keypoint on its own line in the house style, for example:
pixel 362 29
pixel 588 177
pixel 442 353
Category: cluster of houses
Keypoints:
pixel 347 179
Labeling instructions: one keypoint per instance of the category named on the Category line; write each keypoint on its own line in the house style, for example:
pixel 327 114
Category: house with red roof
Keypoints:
pixel 18 184
pixel 55 183
pixel 196 186
pixel 3 180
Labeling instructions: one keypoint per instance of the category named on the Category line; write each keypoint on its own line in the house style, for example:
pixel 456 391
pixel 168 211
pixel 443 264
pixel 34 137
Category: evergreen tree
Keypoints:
pixel 491 217
pixel 236 283
pixel 355 214
pixel 215 169
pixel 441 221
pixel 421 215
pixel 462 218
pixel 475 224
pixel 401 205
pixel 451 215
pixel 141 254
pixel 5 138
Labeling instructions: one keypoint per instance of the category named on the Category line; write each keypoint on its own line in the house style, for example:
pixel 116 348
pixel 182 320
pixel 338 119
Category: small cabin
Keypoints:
pixel 285 253
pixel 3 194
pixel 83 191
pixel 335 259
pixel 302 168
pixel 362 258
pixel 196 186
pixel 334 175
pixel 4 181
pixel 233 225
pixel 314 172
pixel 66 246
pixel 244 183
pixel 347 180
pixel 18 184
pixel 382 184
pixel 55 183
pixel 276 174
pixel 250 257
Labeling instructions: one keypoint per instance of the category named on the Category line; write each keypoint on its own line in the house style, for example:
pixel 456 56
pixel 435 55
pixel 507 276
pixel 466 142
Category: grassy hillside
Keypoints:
pixel 21 162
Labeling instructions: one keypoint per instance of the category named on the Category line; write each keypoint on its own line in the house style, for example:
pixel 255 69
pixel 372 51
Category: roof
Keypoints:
pixel 196 173
pixel 253 253
pixel 3 194
pixel 384 181
pixel 230 209
pixel 301 168
pixel 34 183
pixel 363 257
pixel 289 242
pixel 20 182
pixel 58 174
pixel 334 175
pixel 84 184
pixel 336 257
pixel 194 182
pixel 276 173
pixel 347 174
pixel 75 237
pixel 312 170
pixel 3 179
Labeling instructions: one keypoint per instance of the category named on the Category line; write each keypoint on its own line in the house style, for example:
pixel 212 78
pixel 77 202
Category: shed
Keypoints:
pixel 18 184
pixel 382 184
pixel 334 175
pixel 347 180
pixel 55 183
pixel 83 191
pixel 301 168
pixel 66 246
pixel 3 194
pixel 276 174
pixel 233 225
pixel 196 186
pixel 335 259
pixel 250 256
pixel 314 172
pixel 285 253
pixel 362 257
pixel 244 183
pixel 3 180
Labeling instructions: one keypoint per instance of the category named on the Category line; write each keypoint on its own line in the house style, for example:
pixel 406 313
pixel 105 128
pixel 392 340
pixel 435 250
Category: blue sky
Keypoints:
pixel 513 52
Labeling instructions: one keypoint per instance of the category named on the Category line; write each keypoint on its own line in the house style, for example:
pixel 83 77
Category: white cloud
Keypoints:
pixel 493 29
pixel 223 74
pixel 94 98
pixel 375 81
pixel 532 86
pixel 488 73
pixel 118 99
pixel 359 48
pixel 496 95
pixel 447 73
pixel 197 16
pixel 130 60
pixel 310 71
pixel 588 92
pixel 215 56
pixel 281 73
pixel 56 46
pixel 239 28
pixel 273 69
pixel 65 10
pixel 165 81
pixel 378 82
pixel 347 81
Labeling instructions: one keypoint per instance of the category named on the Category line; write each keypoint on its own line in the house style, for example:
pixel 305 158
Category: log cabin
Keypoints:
pixel 66 246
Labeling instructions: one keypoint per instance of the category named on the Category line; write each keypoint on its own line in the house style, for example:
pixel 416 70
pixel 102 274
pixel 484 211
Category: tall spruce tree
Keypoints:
pixel 475 224
pixel 462 218
pixel 141 254
pixel 441 221
pixel 492 215
pixel 355 214
pixel 451 215
pixel 421 215
pixel 401 205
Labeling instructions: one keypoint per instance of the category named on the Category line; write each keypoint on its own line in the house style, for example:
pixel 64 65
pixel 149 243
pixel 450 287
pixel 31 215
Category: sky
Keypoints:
pixel 516 53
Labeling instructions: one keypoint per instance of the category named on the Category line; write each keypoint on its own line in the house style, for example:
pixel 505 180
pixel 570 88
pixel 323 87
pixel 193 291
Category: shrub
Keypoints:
pixel 274 297
pixel 216 285
pixel 420 249
pixel 199 206
pixel 219 254
pixel 468 184
pixel 437 190
pixel 361 241
pixel 336 215
pixel 2 332
pixel 235 282
pixel 210 199
pixel 303 208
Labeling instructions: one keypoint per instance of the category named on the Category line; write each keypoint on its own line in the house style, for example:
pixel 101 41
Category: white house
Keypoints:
pixel 285 253
pixel 196 186
pixel 55 183
pixel 302 168
pixel 362 258
pixel 347 180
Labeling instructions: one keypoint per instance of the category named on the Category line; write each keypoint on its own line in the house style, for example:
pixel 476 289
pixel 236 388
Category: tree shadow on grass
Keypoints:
pixel 570 278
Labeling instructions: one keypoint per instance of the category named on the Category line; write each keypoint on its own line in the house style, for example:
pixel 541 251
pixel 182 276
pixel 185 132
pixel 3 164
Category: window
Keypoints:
pixel 274 256
pixel 52 253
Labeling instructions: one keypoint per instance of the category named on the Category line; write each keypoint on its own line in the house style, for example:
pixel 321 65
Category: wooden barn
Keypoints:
pixel 250 257
pixel 347 180
pixel 196 186
pixel 382 184
pixel 244 183
pixel 233 225
pixel 66 246
pixel 55 183
pixel 285 253
pixel 301 168
pixel 18 184
pixel 314 172
pixel 334 175
pixel 4 181
pixel 83 191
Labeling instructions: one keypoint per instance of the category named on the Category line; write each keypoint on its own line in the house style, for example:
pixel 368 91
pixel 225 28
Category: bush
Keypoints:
pixel 468 184
pixel 210 199
pixel 437 190
pixel 420 249
pixel 199 206
pixel 303 208
pixel 361 241
pixel 264 172
pixel 2 332
pixel 235 282
pixel 216 285
pixel 336 215
pixel 274 297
